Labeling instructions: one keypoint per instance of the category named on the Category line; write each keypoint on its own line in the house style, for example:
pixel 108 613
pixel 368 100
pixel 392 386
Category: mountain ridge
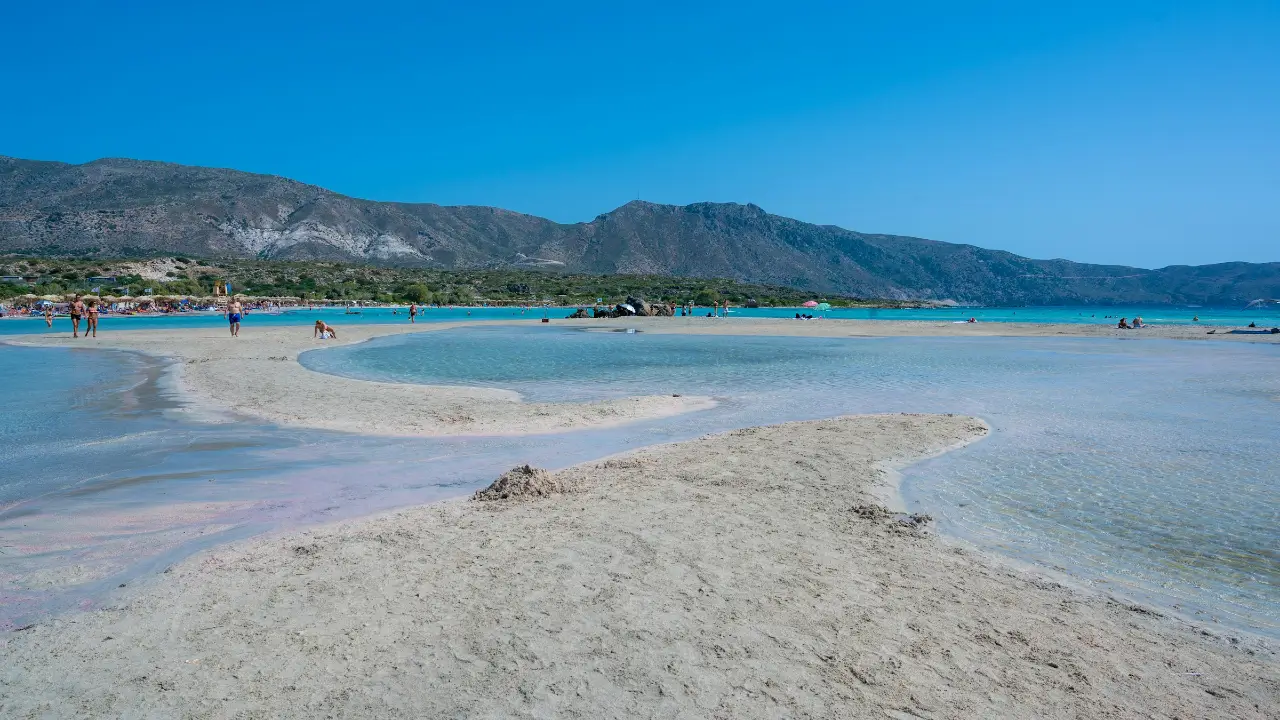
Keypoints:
pixel 123 207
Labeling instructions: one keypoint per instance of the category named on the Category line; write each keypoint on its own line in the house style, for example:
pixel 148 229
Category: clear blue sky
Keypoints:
pixel 1133 132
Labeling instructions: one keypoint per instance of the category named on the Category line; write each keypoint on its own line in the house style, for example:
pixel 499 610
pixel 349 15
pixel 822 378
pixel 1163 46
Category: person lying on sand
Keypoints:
pixel 324 331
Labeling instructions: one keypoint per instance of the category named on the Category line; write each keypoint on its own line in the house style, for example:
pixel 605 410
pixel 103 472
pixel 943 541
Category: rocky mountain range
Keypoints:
pixel 127 208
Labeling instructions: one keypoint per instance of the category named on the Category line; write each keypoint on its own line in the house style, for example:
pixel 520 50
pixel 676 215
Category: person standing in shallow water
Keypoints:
pixel 234 311
pixel 92 319
pixel 77 310
pixel 413 312
pixel 48 315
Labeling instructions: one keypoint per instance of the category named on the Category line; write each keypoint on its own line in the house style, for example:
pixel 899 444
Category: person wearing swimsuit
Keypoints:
pixel 324 331
pixel 48 315
pixel 92 318
pixel 233 315
pixel 77 309
pixel 413 312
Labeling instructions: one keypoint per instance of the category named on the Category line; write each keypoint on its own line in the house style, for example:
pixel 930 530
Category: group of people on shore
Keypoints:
pixel 686 310
pixel 1124 324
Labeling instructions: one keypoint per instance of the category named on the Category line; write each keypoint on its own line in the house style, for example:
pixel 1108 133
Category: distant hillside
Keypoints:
pixel 130 208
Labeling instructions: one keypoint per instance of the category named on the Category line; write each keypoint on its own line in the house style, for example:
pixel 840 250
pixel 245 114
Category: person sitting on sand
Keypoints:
pixel 1137 322
pixel 1124 324
pixel 324 331
pixel 972 320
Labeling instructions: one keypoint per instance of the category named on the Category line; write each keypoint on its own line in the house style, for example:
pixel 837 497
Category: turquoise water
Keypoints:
pixel 1147 468
pixel 1159 315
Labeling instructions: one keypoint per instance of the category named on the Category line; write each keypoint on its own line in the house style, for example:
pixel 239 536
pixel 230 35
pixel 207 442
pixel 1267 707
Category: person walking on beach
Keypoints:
pixel 413 312
pixel 92 319
pixel 77 309
pixel 48 315
pixel 234 311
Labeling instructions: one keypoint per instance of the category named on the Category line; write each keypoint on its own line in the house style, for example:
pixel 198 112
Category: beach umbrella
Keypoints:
pixel 811 303
pixel 824 306
pixel 628 308
pixel 52 298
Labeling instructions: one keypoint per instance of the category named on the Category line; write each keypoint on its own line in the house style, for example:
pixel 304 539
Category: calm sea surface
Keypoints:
pixel 1159 315
pixel 1148 467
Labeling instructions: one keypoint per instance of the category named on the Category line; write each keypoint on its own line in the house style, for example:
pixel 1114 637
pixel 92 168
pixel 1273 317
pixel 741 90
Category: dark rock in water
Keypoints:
pixel 579 314
pixel 751 303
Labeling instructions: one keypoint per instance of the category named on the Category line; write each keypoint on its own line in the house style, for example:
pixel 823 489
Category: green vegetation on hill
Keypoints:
pixel 320 280
pixel 113 208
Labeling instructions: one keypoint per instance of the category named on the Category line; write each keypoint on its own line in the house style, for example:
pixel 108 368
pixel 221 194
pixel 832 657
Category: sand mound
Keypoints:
pixel 523 482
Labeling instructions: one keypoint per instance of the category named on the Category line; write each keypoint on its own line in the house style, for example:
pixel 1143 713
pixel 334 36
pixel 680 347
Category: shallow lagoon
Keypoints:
pixel 1148 466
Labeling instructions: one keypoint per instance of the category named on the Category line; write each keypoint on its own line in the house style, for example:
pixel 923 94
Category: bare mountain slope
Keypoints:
pixel 115 207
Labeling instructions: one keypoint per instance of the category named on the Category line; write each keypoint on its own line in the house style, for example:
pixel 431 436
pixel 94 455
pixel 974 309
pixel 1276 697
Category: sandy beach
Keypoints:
pixel 743 575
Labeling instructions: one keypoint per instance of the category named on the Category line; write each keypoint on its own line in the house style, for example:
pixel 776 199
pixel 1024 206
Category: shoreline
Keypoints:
pixel 772 597
pixel 259 376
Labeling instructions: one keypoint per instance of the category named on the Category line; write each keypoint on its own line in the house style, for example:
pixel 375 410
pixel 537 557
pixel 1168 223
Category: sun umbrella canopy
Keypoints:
pixel 811 303
pixel 824 306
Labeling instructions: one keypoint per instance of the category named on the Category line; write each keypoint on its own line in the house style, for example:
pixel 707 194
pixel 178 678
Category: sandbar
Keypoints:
pixel 743 575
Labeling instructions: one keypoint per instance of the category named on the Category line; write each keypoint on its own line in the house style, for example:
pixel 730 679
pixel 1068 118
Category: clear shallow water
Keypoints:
pixel 1158 315
pixel 106 476
pixel 1149 467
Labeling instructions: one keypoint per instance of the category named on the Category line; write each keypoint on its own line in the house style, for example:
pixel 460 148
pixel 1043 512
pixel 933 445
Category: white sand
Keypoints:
pixel 258 375
pixel 727 577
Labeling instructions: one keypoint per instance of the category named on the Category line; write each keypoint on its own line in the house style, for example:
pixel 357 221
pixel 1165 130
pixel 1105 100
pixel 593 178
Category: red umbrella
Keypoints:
pixel 811 303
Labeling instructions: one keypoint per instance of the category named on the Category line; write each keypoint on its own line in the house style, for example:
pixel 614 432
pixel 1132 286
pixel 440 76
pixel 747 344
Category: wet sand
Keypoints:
pixel 742 575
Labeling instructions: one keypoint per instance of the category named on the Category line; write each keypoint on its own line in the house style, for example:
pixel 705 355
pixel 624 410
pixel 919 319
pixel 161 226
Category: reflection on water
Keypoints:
pixel 1150 466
